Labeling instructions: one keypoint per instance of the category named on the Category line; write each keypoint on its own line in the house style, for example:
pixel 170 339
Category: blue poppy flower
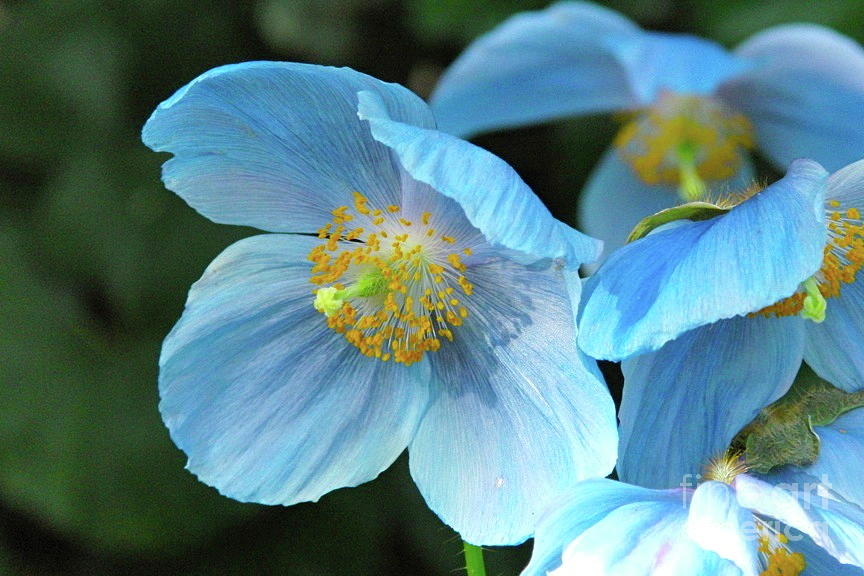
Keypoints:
pixel 694 109
pixel 732 524
pixel 412 292
pixel 709 316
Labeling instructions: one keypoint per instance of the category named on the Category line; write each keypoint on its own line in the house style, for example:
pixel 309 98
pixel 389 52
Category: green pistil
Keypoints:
pixel 814 302
pixel 691 187
pixel 330 300
pixel 474 565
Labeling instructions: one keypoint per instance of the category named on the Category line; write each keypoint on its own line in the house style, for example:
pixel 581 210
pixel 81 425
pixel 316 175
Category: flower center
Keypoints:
pixel 843 258
pixel 392 287
pixel 683 140
pixel 725 468
pixel 776 557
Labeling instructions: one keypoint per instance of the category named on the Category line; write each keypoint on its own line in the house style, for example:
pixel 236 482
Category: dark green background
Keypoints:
pixel 96 257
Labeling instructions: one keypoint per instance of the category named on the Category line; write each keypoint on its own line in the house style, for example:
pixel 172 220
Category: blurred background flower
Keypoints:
pixel 96 258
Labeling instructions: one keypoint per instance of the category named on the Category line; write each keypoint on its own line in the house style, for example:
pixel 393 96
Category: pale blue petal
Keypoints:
pixel 269 404
pixel 804 96
pixel 614 199
pixel 519 420
pixel 819 562
pixel 537 66
pixel 835 348
pixel 278 145
pixel 837 527
pixel 494 198
pixel 718 523
pixel 684 403
pixel 841 456
pixel 658 62
pixel 606 527
pixel 652 290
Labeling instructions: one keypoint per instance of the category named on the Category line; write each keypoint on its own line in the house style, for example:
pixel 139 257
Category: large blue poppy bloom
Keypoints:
pixel 706 315
pixel 695 109
pixel 414 293
pixel 732 524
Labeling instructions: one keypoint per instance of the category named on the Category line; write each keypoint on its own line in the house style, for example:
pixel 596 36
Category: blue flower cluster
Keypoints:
pixel 410 291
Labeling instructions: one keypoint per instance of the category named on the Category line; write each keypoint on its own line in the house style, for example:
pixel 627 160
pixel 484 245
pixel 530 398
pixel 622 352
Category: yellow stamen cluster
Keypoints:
pixel 390 285
pixel 843 258
pixel 777 558
pixel 725 468
pixel 684 135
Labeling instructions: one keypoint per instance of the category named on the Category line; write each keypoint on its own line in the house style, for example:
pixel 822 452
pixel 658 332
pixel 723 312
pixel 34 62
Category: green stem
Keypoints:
pixel 474 565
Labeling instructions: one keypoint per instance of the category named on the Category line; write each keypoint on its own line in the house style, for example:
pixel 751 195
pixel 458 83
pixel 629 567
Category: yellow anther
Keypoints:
pixel 425 218
pixel 405 222
pixel 448 239
pixel 393 208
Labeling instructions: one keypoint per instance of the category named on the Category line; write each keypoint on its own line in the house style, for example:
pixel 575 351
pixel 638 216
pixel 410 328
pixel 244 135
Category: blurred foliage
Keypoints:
pixel 96 258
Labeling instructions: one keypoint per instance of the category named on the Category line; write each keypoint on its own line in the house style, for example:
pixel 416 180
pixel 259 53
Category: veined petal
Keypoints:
pixel 278 145
pixel 804 95
pixel 614 199
pixel 680 63
pixel 611 528
pixel 270 404
pixel 518 419
pixel 835 348
pixel 718 523
pixel 837 527
pixel 819 562
pixel 683 404
pixel 494 198
pixel 652 290
pixel 537 66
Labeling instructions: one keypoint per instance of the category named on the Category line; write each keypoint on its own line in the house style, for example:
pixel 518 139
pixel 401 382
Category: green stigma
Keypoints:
pixel 691 186
pixel 330 300
pixel 814 302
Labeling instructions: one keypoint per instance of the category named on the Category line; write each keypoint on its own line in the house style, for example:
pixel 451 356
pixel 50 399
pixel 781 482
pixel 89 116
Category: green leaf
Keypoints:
pixel 690 211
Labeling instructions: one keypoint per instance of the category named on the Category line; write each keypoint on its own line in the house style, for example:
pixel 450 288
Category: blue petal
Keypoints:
pixel 614 199
pixel 683 404
pixel 494 198
pixel 537 66
pixel 819 562
pixel 805 96
pixel 269 404
pixel 841 456
pixel 277 145
pixel 606 527
pixel 519 419
pixel 837 527
pixel 835 348
pixel 718 523
pixel 658 62
pixel 652 290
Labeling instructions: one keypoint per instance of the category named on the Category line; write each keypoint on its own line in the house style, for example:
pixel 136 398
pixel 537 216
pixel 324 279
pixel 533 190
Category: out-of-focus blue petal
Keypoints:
pixel 841 456
pixel 614 199
pixel 269 404
pixel 654 289
pixel 606 527
pixel 836 526
pixel 835 348
pixel 804 95
pixel 278 145
pixel 494 198
pixel 684 403
pixel 518 419
pixel 680 63
pixel 537 66
pixel 717 523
